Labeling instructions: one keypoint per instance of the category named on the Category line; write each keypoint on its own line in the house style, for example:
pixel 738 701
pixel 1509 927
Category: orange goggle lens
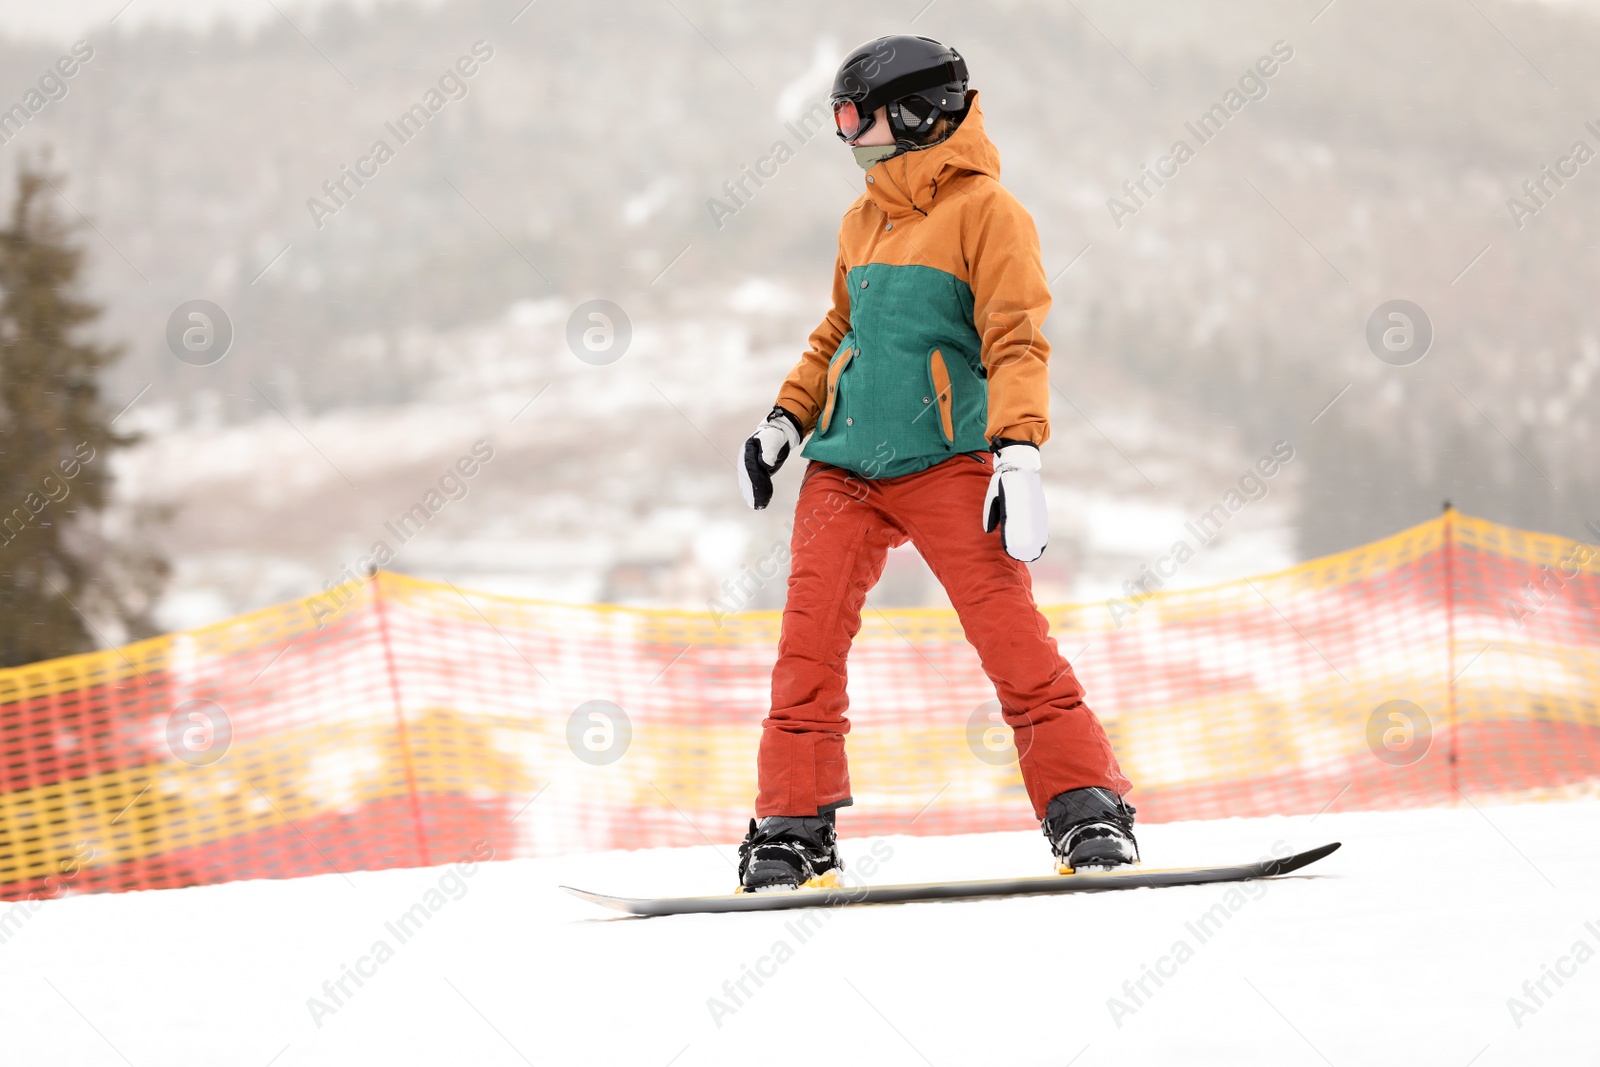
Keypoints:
pixel 847 118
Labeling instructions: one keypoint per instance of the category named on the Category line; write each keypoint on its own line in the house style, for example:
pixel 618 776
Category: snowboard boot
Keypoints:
pixel 1090 830
pixel 787 852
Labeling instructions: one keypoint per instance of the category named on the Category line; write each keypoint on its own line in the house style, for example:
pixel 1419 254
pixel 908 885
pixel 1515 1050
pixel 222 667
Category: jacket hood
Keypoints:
pixel 910 182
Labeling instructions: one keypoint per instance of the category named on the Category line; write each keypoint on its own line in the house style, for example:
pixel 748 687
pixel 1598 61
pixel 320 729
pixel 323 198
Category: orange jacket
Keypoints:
pixel 944 208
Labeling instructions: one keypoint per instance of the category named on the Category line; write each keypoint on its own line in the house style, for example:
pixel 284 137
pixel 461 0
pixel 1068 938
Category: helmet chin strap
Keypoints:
pixel 910 146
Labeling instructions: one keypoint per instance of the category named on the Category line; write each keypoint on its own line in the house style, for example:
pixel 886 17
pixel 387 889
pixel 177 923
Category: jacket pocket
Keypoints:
pixel 939 380
pixel 835 369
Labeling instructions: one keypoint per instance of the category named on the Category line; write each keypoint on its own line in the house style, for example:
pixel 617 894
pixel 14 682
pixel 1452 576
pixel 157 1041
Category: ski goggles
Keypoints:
pixel 908 115
pixel 850 120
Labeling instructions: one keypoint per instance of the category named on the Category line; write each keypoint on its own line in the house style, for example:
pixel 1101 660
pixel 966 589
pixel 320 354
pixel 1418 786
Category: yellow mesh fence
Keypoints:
pixel 398 721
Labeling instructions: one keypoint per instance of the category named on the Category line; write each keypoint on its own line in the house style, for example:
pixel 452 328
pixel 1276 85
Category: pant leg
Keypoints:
pixel 1060 741
pixel 837 553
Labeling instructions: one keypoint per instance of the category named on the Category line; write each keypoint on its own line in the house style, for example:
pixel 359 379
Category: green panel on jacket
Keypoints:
pixel 882 416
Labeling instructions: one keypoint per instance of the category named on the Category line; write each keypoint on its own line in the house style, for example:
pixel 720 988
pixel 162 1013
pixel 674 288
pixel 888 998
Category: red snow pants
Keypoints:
pixel 844 527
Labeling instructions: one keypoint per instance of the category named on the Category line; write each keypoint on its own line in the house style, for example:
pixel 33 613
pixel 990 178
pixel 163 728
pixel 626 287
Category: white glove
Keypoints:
pixel 1015 502
pixel 764 452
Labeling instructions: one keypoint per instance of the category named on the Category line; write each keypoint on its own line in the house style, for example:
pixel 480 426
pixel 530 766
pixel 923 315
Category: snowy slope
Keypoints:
pixel 1403 948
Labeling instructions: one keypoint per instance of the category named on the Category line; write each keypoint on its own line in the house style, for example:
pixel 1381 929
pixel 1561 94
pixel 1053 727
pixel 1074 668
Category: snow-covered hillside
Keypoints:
pixel 615 482
pixel 1454 937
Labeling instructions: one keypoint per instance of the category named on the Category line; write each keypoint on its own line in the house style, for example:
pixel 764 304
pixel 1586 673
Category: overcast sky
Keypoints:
pixel 69 19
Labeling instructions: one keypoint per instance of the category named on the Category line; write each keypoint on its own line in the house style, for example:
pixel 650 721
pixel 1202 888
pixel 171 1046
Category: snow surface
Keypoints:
pixel 1402 948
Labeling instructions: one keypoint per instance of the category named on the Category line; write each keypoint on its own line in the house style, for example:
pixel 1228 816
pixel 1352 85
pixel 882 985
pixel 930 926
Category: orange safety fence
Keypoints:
pixel 400 722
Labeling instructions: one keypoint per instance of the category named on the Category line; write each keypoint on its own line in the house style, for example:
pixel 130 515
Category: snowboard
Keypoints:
pixel 1130 878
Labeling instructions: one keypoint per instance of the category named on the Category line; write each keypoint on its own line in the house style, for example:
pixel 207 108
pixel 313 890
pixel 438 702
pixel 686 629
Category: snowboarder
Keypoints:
pixel 926 394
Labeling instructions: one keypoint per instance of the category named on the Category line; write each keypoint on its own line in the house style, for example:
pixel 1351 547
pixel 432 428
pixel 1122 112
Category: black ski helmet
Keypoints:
pixel 925 78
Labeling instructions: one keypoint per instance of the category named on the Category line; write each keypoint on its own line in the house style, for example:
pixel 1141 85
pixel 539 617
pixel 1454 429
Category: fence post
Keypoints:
pixel 399 719
pixel 1450 659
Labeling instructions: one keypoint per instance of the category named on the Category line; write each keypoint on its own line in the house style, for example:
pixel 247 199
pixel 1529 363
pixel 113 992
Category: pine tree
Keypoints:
pixel 62 580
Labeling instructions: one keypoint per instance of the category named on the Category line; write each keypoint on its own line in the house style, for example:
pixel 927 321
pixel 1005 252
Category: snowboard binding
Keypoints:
pixel 1090 830
pixel 784 852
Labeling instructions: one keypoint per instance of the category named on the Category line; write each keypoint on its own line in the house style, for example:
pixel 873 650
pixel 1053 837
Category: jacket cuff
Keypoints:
pixel 779 409
pixel 997 443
